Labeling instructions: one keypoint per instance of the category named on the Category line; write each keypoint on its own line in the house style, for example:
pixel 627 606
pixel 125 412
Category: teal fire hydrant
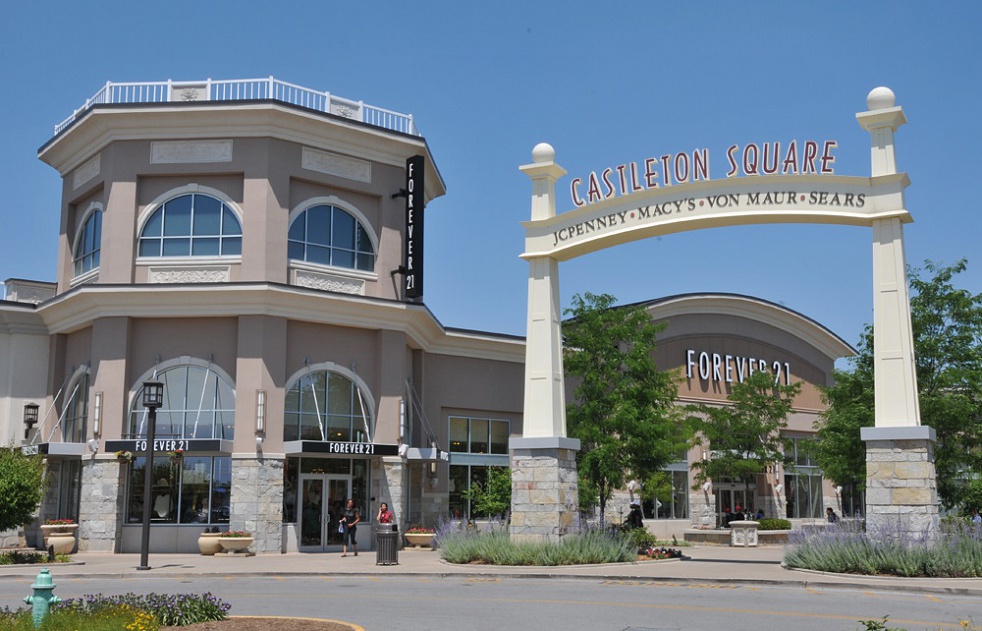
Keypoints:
pixel 42 598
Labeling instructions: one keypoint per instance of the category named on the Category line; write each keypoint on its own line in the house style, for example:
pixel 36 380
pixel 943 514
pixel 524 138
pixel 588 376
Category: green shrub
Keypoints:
pixel 495 547
pixel 168 610
pixel 953 554
pixel 774 524
pixel 641 539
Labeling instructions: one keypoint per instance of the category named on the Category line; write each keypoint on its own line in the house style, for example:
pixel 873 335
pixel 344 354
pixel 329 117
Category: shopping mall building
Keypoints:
pixel 257 248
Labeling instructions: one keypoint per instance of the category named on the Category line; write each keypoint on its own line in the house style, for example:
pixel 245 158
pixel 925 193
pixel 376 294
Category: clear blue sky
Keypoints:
pixel 604 83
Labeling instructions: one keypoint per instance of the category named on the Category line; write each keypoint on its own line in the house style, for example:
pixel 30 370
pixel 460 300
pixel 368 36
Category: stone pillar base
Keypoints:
pixel 544 491
pixel 901 483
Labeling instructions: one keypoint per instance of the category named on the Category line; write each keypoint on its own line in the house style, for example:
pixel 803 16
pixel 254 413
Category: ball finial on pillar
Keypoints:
pixel 542 153
pixel 880 98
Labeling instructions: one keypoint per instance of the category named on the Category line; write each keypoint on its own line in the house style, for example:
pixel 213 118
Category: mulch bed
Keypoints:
pixel 263 624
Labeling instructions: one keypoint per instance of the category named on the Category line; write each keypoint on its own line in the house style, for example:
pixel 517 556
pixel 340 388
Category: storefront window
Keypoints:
pixel 802 481
pixel 189 490
pixel 479 435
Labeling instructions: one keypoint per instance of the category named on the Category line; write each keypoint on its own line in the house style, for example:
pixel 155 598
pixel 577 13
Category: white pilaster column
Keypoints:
pixel 545 399
pixel 895 379
pixel 544 503
pixel 901 483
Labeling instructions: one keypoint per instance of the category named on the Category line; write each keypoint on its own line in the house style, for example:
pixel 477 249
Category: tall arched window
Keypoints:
pixel 198 403
pixel 194 489
pixel 73 425
pixel 89 243
pixel 328 235
pixel 326 405
pixel 193 224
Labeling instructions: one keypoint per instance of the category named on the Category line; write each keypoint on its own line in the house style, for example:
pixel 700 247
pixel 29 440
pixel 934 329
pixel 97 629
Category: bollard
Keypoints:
pixel 43 598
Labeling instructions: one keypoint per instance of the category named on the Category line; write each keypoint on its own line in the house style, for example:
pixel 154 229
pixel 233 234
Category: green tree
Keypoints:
pixel 744 436
pixel 21 487
pixel 493 497
pixel 947 329
pixel 624 409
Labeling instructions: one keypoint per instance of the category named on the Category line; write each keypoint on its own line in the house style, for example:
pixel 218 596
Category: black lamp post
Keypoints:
pixel 153 398
pixel 30 418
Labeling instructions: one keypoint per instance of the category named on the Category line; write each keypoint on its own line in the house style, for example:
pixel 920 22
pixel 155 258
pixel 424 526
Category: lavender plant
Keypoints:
pixel 955 552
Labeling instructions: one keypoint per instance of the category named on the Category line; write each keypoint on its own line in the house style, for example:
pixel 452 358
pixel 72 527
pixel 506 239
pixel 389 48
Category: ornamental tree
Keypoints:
pixel 947 329
pixel 623 409
pixel 744 436
pixel 21 487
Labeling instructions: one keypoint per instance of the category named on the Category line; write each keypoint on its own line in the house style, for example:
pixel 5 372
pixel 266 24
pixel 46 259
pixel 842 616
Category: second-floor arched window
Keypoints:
pixel 89 243
pixel 193 224
pixel 329 235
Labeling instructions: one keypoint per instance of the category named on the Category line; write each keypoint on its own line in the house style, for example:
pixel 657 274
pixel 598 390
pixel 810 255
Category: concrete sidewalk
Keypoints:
pixel 705 564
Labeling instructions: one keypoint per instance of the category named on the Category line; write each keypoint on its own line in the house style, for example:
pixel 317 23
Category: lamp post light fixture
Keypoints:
pixel 30 418
pixel 153 398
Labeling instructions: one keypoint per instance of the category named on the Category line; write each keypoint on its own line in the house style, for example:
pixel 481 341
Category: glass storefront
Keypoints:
pixel 188 490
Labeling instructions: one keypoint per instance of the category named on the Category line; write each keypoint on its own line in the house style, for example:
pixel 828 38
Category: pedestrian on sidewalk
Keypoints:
pixel 384 514
pixel 349 524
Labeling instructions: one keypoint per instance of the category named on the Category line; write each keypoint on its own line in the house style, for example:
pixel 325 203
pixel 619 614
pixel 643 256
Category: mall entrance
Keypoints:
pixel 730 495
pixel 322 499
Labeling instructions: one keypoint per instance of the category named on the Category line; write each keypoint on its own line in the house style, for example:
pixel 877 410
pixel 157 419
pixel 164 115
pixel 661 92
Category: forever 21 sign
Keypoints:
pixel 139 445
pixel 413 259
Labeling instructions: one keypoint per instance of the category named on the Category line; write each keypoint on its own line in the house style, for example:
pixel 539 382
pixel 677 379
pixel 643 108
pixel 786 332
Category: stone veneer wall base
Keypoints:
pixel 100 516
pixel 901 483
pixel 544 492
pixel 257 500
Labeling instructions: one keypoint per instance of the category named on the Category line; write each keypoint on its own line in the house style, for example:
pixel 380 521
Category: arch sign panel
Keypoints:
pixel 790 182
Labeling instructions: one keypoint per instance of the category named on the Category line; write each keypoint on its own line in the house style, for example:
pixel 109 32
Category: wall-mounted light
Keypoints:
pixel 706 486
pixel 93 445
pixel 97 415
pixel 838 490
pixel 30 418
pixel 260 411
pixel 779 488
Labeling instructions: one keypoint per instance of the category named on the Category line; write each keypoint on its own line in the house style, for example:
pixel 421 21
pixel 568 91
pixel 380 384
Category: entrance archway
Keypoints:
pixel 645 209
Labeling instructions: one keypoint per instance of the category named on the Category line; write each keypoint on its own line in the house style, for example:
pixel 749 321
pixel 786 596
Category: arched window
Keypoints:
pixel 198 403
pixel 89 243
pixel 193 224
pixel 328 235
pixel 326 405
pixel 73 425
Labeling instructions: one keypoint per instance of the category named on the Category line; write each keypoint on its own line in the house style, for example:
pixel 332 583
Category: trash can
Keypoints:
pixel 386 544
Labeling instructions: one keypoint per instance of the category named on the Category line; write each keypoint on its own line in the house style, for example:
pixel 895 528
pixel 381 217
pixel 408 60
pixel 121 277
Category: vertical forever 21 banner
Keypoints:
pixel 414 227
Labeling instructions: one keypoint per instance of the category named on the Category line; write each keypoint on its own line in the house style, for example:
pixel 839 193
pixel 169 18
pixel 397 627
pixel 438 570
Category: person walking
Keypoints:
pixel 830 516
pixel 349 524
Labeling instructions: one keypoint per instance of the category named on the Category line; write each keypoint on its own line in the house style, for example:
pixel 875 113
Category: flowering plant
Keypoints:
pixel 59 522
pixel 419 530
pixel 663 553
pixel 177 453
pixel 124 455
pixel 236 534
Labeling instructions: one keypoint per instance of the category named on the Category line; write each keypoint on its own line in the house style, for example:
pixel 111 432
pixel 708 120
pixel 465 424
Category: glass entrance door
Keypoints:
pixel 321 504
pixel 729 497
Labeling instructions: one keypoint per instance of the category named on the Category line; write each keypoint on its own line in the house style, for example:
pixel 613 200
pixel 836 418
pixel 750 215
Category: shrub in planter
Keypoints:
pixel 641 539
pixel 774 524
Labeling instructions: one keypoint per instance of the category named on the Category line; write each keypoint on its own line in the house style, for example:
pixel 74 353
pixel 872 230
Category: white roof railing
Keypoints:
pixel 245 90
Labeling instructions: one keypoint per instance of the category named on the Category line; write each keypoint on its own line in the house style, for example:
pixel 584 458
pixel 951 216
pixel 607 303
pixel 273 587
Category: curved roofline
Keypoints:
pixel 779 316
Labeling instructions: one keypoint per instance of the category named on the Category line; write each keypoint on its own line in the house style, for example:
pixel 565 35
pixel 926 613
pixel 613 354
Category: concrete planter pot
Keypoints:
pixel 209 544
pixel 60 536
pixel 235 544
pixel 420 539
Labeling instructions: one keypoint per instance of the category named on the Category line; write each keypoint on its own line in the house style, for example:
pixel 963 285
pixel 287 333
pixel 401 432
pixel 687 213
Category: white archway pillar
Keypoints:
pixel 901 483
pixel 543 460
